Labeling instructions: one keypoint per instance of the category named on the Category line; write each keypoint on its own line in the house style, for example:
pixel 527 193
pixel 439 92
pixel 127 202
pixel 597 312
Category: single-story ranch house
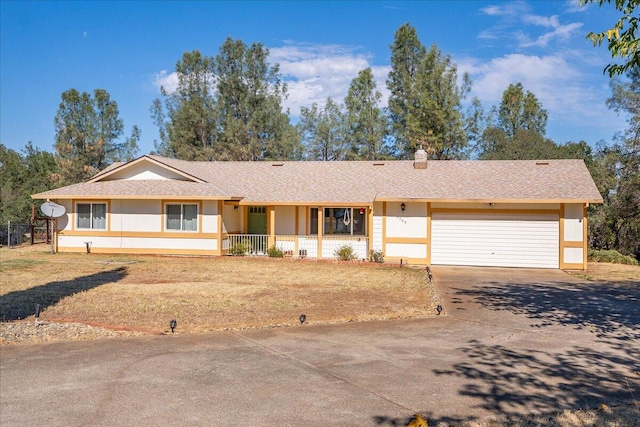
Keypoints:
pixel 527 213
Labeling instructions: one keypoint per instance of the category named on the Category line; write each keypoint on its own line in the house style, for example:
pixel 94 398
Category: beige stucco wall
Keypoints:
pixel 412 222
pixel 285 220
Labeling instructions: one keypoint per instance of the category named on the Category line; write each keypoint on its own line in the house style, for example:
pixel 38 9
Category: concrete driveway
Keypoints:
pixel 511 341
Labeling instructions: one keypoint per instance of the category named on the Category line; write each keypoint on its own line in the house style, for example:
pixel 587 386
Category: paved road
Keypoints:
pixel 510 341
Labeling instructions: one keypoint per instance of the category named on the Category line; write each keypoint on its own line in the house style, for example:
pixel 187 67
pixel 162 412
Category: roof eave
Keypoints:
pixel 490 200
pixel 125 197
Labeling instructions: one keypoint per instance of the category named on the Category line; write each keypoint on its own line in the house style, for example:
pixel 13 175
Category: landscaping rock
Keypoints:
pixel 28 333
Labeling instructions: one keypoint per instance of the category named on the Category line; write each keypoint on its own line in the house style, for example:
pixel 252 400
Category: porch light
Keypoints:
pixel 173 325
pixel 403 206
pixel 361 211
pixel 439 309
pixel 303 317
pixel 235 207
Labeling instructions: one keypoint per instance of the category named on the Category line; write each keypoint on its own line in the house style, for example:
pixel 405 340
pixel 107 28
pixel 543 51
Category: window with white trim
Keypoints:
pixel 182 217
pixel 91 216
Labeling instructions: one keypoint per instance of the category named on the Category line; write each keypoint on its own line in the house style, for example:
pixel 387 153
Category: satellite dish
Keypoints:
pixel 52 210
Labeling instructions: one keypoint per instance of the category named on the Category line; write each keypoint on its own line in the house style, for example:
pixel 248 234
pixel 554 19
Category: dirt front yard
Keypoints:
pixel 143 293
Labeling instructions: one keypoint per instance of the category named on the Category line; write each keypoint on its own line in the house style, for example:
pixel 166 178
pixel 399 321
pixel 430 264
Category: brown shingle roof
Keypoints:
pixel 135 189
pixel 358 182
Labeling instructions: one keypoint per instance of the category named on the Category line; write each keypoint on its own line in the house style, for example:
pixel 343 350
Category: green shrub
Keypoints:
pixel 345 253
pixel 376 256
pixel 240 249
pixel 611 256
pixel 275 252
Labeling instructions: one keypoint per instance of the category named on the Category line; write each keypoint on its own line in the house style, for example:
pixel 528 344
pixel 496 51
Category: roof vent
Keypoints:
pixel 542 163
pixel 420 159
pixel 378 163
pixel 277 164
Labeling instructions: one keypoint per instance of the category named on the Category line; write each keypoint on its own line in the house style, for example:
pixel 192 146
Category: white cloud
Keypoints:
pixel 562 32
pixel 492 10
pixel 168 81
pixel 315 72
pixel 550 21
pixel 515 21
pixel 575 6
pixel 562 88
pixel 542 75
pixel 507 9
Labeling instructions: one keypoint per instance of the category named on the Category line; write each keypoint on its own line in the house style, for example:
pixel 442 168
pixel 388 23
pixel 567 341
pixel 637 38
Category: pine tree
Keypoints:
pixel 188 127
pixel 88 132
pixel 425 105
pixel 407 54
pixel 249 112
pixel 323 131
pixel 366 123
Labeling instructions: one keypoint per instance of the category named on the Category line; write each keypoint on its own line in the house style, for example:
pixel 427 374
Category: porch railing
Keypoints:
pixel 248 244
pixel 304 246
pixel 332 243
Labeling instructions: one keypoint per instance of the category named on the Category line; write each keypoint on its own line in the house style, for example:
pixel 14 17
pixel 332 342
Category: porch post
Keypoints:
pixel 271 218
pixel 297 231
pixel 219 228
pixel 320 229
pixel 370 229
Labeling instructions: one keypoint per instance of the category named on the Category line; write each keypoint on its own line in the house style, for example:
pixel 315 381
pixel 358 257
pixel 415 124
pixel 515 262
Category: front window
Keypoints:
pixel 350 221
pixel 182 217
pixel 92 216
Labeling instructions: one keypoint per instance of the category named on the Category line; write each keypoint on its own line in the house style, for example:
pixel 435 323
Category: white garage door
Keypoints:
pixel 499 240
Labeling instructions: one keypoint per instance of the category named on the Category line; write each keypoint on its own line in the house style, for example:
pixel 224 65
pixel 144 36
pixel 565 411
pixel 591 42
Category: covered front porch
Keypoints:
pixel 298 231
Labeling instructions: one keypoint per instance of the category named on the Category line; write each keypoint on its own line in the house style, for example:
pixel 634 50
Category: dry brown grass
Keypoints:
pixel 613 272
pixel 617 416
pixel 205 294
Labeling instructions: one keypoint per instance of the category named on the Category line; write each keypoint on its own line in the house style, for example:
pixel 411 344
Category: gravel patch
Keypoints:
pixel 29 333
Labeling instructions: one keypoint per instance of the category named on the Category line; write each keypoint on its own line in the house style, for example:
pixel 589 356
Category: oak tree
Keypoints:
pixel 622 39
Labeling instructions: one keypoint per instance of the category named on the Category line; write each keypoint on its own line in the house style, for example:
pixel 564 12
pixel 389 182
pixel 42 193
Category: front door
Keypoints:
pixel 257 220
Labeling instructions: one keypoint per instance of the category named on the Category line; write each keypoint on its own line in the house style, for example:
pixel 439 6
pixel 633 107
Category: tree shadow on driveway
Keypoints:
pixel 513 381
pixel 20 304
pixel 510 382
pixel 610 310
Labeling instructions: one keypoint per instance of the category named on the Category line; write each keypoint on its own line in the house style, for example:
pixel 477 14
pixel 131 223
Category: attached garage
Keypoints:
pixel 495 239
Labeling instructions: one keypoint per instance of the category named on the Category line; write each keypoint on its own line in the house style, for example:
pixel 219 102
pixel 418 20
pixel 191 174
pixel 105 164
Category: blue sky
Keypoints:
pixel 130 49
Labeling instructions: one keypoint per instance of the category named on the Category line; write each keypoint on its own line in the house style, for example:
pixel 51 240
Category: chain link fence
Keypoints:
pixel 14 234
